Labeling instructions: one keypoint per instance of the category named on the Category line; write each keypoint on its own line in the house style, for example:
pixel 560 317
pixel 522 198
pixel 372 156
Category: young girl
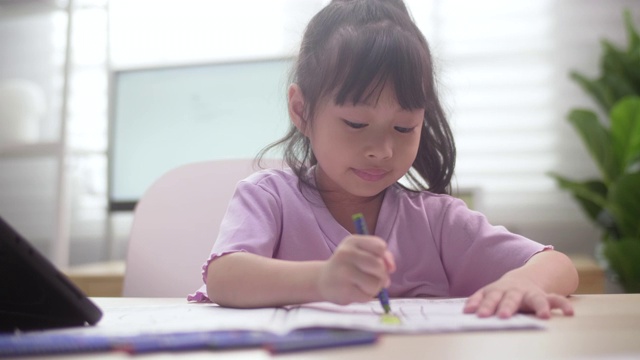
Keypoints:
pixel 365 114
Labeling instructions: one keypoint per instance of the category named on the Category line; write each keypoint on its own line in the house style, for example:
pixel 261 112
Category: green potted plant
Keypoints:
pixel 613 200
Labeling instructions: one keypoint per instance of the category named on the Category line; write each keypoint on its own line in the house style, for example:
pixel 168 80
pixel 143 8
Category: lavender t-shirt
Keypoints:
pixel 441 248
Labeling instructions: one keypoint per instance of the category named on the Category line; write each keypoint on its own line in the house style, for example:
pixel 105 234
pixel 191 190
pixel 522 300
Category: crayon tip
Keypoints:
pixel 387 308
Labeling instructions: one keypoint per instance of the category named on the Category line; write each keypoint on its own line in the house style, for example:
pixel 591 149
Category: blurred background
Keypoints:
pixel 503 70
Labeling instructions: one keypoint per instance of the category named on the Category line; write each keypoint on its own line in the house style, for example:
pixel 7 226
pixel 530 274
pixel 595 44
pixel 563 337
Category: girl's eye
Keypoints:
pixel 404 130
pixel 354 125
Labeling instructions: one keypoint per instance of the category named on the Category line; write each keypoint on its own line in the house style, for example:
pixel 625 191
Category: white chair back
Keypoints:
pixel 175 225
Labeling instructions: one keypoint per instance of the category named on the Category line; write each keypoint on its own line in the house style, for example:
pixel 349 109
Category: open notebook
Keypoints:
pixel 33 293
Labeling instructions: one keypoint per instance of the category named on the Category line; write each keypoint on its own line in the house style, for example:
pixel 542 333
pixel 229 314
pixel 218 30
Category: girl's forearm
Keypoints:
pixel 553 271
pixel 246 280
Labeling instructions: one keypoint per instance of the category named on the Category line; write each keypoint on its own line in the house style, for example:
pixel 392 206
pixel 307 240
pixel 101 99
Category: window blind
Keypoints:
pixel 504 69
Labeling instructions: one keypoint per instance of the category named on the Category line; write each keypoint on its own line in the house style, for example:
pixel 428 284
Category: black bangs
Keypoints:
pixel 370 57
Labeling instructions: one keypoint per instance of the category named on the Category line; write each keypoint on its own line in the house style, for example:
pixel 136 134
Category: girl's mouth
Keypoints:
pixel 370 174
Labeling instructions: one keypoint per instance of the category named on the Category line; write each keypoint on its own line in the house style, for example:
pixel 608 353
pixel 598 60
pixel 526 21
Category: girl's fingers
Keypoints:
pixel 369 255
pixel 369 285
pixel 562 303
pixel 389 262
pixel 368 263
pixel 509 304
pixel 362 265
pixel 368 281
pixel 543 304
pixel 505 304
pixel 473 302
pixel 369 243
pixel 489 303
pixel 366 257
pixel 539 304
pixel 354 293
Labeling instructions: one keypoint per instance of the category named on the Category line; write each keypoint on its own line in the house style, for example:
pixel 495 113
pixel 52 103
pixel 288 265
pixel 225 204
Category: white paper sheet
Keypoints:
pixel 417 316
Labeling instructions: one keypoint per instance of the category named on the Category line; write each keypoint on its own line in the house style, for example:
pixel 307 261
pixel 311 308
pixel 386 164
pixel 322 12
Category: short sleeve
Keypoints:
pixel 251 224
pixel 475 252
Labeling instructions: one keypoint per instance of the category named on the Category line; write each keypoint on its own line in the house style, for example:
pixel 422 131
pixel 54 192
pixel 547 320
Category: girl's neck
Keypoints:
pixel 342 205
pixel 343 209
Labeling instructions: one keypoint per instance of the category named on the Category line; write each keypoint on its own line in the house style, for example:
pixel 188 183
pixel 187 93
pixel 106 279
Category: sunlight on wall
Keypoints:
pixel 148 32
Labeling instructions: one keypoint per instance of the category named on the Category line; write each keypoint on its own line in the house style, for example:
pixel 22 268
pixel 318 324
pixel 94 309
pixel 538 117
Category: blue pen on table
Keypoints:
pixel 361 228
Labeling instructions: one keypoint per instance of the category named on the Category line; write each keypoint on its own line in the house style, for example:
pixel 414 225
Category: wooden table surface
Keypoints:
pixel 604 327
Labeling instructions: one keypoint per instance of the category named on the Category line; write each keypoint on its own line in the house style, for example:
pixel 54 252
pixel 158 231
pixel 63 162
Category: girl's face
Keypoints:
pixel 363 149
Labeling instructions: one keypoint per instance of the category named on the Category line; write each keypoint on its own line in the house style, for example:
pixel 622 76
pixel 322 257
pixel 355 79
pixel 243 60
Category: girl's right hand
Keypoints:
pixel 357 271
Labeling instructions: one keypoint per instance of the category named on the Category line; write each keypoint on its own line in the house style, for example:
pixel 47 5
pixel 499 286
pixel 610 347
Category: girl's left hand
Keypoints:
pixel 511 294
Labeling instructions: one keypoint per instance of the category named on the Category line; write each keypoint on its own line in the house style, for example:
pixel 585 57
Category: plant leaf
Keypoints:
pixel 620 70
pixel 623 202
pixel 623 257
pixel 591 195
pixel 632 33
pixel 613 60
pixel 619 73
pixel 595 88
pixel 625 131
pixel 617 87
pixel 633 52
pixel 597 139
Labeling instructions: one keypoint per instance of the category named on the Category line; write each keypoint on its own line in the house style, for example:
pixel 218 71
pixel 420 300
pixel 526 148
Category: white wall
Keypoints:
pixel 28 60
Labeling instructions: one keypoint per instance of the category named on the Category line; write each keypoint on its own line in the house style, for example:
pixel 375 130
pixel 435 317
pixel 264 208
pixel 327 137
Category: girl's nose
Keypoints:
pixel 380 148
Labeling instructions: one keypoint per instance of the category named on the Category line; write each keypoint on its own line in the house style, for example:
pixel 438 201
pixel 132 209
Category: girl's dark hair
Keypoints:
pixel 350 50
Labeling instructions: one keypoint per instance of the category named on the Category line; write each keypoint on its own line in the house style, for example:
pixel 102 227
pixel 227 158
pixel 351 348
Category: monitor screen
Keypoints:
pixel 165 117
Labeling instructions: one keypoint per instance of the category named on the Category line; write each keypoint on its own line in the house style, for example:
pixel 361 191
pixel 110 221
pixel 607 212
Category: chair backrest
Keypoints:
pixel 175 225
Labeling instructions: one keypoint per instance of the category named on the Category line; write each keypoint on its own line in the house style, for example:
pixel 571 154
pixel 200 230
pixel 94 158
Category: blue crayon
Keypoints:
pixel 383 296
pixel 361 228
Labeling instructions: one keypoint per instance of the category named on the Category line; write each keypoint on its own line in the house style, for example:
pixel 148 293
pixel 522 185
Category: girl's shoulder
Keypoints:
pixel 424 196
pixel 271 176
pixel 426 201
pixel 279 185
pixel 275 181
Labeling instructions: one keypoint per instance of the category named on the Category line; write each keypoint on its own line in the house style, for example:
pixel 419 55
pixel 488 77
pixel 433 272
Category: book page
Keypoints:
pixel 415 315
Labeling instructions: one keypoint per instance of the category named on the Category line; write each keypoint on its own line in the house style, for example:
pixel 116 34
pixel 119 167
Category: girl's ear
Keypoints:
pixel 296 108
